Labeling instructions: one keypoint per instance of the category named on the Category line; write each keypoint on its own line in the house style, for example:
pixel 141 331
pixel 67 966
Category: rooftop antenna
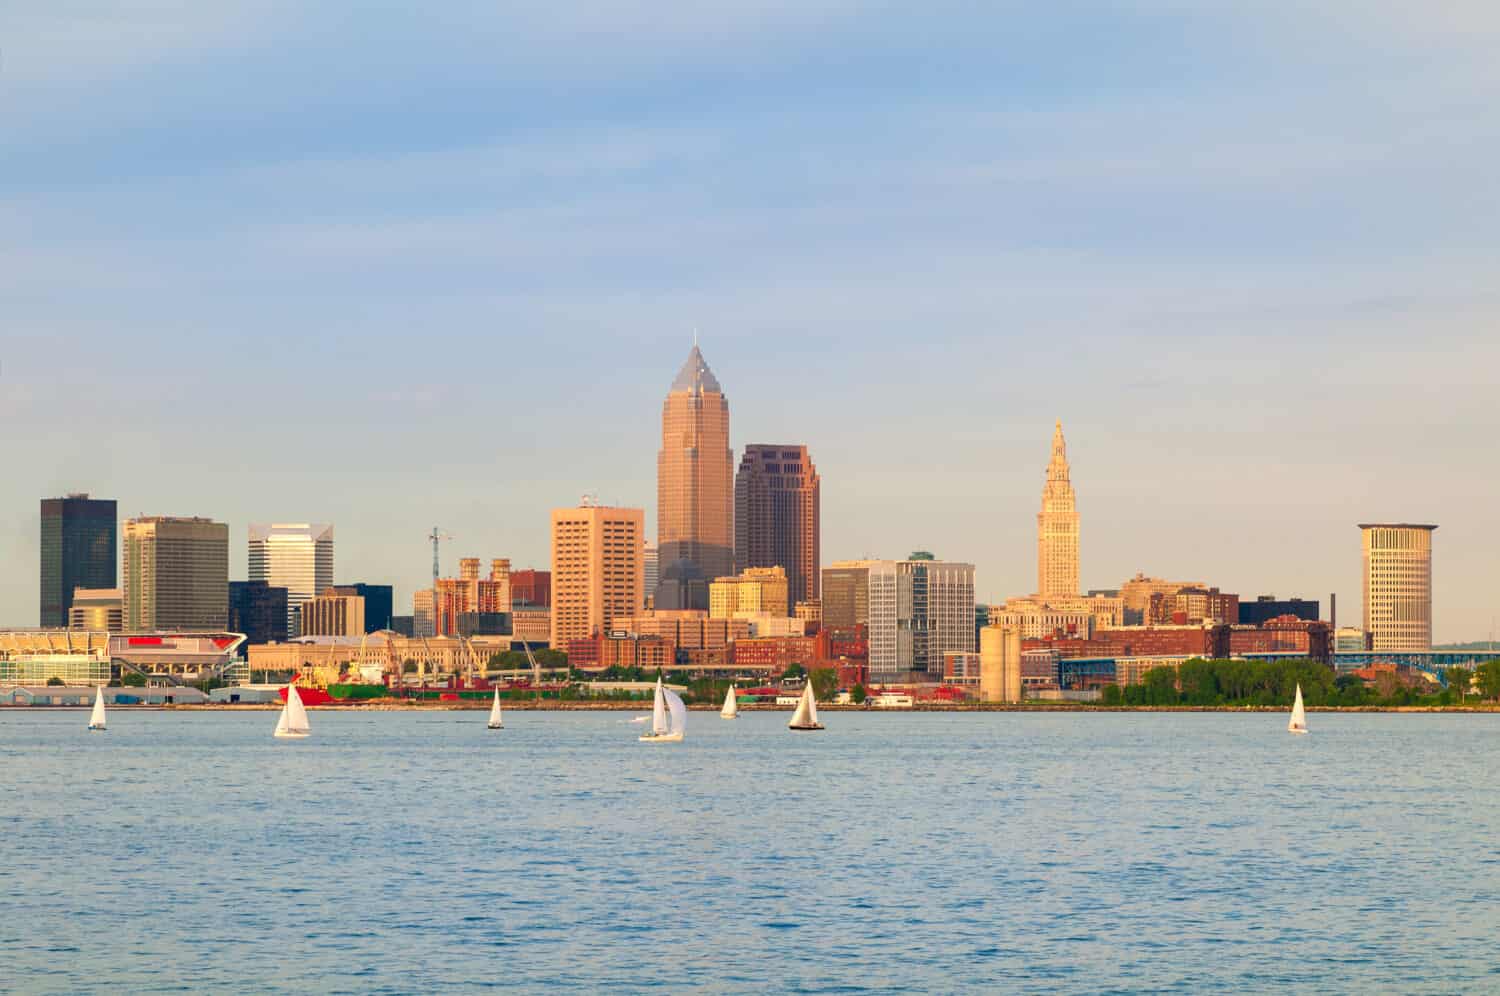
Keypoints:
pixel 436 536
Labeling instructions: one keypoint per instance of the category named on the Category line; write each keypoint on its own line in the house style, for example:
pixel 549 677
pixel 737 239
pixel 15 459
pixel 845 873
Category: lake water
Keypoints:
pixel 417 852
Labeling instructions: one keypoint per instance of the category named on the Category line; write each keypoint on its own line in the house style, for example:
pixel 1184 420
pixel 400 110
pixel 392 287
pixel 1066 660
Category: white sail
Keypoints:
pixel 665 728
pixel 731 705
pixel 659 724
pixel 293 721
pixel 678 711
pixel 495 721
pixel 1298 722
pixel 806 716
pixel 96 718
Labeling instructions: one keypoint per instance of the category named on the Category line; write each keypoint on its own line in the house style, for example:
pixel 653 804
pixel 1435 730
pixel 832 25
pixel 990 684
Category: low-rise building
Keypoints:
pixel 649 653
pixel 772 655
pixel 336 612
pixel 97 609
pixel 533 625
pixel 688 629
pixel 755 590
pixel 1285 635
pixel 1203 640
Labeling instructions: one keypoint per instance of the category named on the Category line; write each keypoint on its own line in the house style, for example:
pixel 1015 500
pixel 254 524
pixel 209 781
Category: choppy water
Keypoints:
pixel 408 852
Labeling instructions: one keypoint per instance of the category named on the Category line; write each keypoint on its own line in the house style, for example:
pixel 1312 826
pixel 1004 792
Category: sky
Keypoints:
pixel 393 266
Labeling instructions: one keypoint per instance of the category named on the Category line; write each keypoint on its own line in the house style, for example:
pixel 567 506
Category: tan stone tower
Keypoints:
pixel 1057 527
pixel 1396 581
pixel 694 488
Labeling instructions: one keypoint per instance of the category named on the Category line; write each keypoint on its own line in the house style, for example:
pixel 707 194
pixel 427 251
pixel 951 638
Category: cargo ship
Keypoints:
pixel 337 693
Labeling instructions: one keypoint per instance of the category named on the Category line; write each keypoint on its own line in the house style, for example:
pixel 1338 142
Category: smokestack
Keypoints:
pixel 1333 611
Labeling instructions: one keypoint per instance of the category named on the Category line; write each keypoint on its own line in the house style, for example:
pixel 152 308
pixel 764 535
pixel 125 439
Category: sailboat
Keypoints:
pixel 96 718
pixel 1298 722
pixel 806 716
pixel 495 723
pixel 731 708
pixel 668 717
pixel 293 721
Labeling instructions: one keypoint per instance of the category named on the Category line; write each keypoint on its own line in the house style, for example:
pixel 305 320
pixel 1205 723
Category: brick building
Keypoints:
pixel 645 652
pixel 774 654
pixel 1207 640
pixel 1283 635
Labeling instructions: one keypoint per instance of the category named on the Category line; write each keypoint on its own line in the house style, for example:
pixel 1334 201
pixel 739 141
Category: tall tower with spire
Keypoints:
pixel 694 488
pixel 1057 527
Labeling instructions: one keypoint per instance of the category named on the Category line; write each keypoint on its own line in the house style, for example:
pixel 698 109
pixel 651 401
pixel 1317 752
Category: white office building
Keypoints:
pixel 920 609
pixel 297 556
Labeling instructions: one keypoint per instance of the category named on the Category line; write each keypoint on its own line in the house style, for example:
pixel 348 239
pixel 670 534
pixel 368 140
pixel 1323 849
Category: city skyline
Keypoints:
pixel 1191 235
pixel 1056 465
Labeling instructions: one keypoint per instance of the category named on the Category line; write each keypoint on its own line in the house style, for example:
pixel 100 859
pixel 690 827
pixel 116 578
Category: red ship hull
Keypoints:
pixel 310 696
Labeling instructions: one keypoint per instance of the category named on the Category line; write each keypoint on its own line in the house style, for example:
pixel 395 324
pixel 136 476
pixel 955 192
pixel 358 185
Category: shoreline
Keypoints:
pixel 396 705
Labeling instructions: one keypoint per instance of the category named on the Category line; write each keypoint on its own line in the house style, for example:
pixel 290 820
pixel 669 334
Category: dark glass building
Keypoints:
pixel 379 604
pixel 1268 607
pixel 484 624
pixel 79 540
pixel 777 500
pixel 258 610
pixel 846 596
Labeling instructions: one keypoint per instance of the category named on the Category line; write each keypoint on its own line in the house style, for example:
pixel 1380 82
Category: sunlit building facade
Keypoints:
pixel 297 556
pixel 1396 581
pixel 695 489
pixel 597 570
pixel 1057 527
pixel 78 542
pixel 777 502
pixel 176 574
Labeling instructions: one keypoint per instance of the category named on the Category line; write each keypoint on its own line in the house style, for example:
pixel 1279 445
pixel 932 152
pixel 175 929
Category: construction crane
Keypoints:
pixel 436 536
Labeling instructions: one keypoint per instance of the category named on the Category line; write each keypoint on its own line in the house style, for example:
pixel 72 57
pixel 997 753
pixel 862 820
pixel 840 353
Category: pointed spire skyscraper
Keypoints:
pixel 694 488
pixel 1057 527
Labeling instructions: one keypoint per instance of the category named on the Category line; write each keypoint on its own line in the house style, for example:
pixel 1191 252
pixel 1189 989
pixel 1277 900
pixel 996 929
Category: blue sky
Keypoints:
pixel 393 266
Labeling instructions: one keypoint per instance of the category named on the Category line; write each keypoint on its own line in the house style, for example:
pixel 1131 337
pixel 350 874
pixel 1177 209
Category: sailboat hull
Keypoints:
pixel 289 735
pixel 662 738
pixel 806 728
pixel 1297 732
pixel 494 726
pixel 96 729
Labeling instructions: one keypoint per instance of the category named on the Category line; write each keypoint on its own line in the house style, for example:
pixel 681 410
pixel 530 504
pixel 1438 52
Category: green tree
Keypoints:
pixel 794 671
pixel 410 667
pixel 857 695
pixel 1112 695
pixel 1160 686
pixel 133 680
pixel 55 680
pixel 825 681
pixel 1458 679
pixel 1489 679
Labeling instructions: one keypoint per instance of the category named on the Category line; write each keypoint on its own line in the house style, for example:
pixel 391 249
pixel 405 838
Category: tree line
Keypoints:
pixel 1199 682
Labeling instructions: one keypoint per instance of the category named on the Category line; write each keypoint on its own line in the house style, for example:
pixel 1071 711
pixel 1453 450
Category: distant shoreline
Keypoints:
pixel 395 705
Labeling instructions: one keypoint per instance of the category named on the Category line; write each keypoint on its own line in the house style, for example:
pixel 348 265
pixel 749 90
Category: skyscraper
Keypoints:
pixel 379 604
pixel 1397 585
pixel 78 551
pixel 257 610
pixel 694 488
pixel 846 595
pixel 597 570
pixel 176 574
pixel 653 571
pixel 1057 527
pixel 920 609
pixel 297 556
pixel 776 515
